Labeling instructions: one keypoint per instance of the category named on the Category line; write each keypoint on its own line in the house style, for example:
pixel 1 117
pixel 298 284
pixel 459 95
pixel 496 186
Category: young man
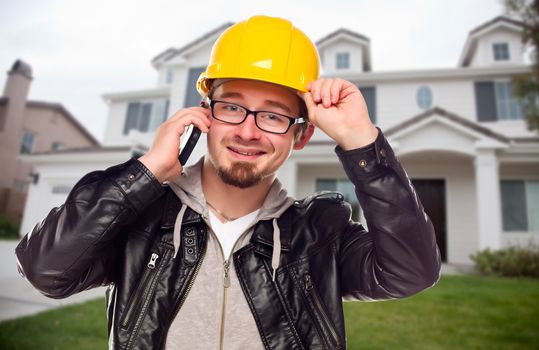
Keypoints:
pixel 220 257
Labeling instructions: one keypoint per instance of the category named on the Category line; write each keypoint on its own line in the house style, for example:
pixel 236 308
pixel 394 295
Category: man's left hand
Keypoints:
pixel 337 107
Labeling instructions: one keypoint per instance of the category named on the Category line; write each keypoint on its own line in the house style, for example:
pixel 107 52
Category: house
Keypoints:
pixel 27 127
pixel 458 131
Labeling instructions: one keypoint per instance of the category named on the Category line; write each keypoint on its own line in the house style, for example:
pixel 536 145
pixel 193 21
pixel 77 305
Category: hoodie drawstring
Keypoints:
pixel 178 229
pixel 276 254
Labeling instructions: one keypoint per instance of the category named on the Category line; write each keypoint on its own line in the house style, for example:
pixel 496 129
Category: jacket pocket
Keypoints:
pixel 328 331
pixel 144 290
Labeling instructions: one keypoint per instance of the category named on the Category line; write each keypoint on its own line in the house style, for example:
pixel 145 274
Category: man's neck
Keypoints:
pixel 231 201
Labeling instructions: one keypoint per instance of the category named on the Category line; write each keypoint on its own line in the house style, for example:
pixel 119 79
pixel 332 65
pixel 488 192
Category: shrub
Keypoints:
pixel 8 230
pixel 511 261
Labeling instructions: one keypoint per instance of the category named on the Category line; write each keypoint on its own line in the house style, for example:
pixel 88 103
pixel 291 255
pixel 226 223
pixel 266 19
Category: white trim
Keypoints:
pixel 138 94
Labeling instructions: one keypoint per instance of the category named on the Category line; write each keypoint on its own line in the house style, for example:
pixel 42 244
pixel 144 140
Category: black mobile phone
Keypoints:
pixel 189 141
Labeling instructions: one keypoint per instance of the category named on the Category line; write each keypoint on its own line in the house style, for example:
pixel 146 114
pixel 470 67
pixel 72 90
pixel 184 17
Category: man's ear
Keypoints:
pixel 304 137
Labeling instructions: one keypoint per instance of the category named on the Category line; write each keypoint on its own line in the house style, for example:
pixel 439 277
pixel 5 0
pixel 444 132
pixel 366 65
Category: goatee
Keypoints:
pixel 240 174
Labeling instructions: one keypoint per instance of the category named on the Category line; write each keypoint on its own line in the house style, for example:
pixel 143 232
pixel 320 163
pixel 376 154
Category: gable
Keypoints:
pixel 439 130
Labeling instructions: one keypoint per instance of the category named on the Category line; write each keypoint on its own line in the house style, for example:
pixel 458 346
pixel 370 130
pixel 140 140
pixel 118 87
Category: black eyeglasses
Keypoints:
pixel 267 121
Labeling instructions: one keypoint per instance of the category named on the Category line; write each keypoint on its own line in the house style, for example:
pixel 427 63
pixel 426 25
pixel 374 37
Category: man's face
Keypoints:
pixel 243 155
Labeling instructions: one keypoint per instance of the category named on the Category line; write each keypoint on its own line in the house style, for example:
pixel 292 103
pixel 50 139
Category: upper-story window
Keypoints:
pixel 56 146
pixel 424 97
pixel 342 60
pixel 27 143
pixel 169 76
pixel 495 101
pixel 145 116
pixel 500 51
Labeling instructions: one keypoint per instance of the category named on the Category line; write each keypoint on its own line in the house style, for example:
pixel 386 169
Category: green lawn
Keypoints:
pixel 464 312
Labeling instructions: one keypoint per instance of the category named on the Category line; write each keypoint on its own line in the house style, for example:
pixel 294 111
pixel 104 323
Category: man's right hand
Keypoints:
pixel 162 158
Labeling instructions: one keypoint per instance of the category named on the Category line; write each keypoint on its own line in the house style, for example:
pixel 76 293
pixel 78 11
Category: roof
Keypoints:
pixel 471 42
pixel 437 111
pixel 340 31
pixel 171 52
pixel 81 150
pixel 60 108
pixel 365 41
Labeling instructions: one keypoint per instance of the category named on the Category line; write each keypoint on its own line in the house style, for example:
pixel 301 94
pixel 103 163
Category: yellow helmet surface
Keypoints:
pixel 263 48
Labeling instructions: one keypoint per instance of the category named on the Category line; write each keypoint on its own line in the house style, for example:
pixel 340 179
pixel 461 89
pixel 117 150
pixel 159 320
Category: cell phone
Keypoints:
pixel 189 141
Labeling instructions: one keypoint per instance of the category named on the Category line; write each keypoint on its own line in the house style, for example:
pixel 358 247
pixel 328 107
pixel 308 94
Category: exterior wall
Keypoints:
pixel 329 55
pixel 114 135
pixel 59 173
pixel 484 55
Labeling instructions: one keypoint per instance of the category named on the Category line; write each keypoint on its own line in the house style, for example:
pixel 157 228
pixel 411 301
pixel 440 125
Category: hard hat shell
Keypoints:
pixel 263 48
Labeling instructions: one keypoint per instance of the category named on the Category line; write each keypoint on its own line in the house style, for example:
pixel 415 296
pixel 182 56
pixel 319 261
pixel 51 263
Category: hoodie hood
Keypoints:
pixel 188 188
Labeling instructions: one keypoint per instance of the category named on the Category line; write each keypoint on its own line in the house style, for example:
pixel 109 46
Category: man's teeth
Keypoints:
pixel 246 153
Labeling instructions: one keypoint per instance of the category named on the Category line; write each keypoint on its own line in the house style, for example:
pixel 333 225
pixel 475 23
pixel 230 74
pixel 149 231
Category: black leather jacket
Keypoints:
pixel 115 222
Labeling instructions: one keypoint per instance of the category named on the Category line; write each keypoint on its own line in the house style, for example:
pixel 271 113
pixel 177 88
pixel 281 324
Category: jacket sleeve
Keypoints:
pixel 398 255
pixel 77 245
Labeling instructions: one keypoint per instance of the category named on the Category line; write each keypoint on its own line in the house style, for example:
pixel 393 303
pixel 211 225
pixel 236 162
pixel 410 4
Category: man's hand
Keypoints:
pixel 162 158
pixel 337 107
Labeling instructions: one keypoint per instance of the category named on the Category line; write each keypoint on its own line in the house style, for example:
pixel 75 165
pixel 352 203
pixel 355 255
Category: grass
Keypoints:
pixel 461 312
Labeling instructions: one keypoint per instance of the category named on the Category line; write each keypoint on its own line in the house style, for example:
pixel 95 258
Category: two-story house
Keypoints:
pixel 458 131
pixel 28 126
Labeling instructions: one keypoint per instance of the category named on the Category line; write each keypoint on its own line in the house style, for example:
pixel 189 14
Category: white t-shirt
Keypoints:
pixel 228 233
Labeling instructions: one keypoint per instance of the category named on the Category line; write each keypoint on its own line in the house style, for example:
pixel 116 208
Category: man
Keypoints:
pixel 220 257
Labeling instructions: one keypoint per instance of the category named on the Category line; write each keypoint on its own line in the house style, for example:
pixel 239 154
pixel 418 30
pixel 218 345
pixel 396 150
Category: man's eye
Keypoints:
pixel 231 108
pixel 269 117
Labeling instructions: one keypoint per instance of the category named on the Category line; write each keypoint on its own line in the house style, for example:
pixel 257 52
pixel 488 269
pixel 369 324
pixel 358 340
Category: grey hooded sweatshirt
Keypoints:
pixel 215 314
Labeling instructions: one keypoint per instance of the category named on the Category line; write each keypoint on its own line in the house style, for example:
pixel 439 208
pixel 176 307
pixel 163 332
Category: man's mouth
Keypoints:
pixel 246 152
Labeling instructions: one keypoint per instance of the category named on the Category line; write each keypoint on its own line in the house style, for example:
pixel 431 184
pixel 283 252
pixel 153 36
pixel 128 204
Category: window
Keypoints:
pixel 145 116
pixel 56 146
pixel 61 189
pixel 495 101
pixel 27 142
pixel 520 205
pixel 19 185
pixel 507 105
pixel 343 186
pixel 169 77
pixel 192 97
pixel 501 51
pixel 343 60
pixel 369 94
pixel 424 97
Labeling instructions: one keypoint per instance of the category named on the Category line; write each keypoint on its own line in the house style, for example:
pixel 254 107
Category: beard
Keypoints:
pixel 240 174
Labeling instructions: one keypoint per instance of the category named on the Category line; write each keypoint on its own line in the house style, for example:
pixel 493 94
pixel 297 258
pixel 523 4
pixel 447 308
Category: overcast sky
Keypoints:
pixel 80 50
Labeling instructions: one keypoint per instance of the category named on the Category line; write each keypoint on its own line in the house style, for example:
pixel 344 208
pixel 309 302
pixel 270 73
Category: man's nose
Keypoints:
pixel 248 129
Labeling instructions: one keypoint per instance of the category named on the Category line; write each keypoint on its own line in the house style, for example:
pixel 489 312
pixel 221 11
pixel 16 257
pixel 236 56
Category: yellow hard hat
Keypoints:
pixel 262 48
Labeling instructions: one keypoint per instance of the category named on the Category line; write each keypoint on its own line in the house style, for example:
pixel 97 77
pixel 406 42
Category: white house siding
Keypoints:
pixel 115 124
pixel 483 54
pixel 329 57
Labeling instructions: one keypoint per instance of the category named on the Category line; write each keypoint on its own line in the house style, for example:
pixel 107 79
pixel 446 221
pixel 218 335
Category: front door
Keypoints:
pixel 432 195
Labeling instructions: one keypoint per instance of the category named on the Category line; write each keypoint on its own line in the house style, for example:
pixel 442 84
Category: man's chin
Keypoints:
pixel 240 174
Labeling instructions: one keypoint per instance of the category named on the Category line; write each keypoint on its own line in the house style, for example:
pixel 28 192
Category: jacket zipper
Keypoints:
pixel 139 292
pixel 226 284
pixel 309 286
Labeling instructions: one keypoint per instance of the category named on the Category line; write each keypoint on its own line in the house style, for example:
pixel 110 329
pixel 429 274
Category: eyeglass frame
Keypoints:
pixel 291 120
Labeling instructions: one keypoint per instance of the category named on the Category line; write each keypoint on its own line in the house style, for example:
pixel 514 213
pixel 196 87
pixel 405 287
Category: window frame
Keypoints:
pixel 528 210
pixel 23 149
pixel 342 60
pixel 501 52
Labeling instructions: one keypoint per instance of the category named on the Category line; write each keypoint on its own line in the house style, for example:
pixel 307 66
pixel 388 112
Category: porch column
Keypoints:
pixel 288 175
pixel 487 184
